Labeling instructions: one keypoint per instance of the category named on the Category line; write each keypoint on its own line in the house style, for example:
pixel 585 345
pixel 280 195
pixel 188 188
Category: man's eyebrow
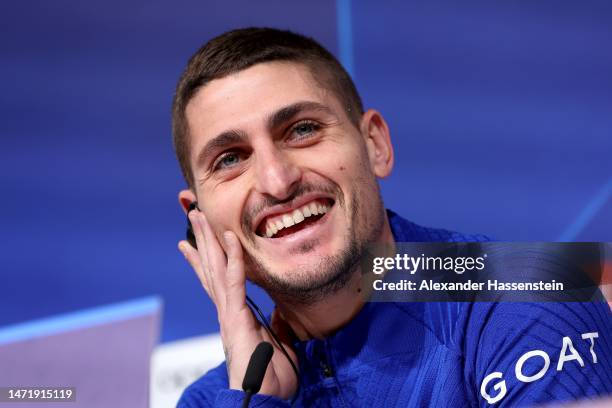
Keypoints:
pixel 275 120
pixel 219 142
pixel 285 114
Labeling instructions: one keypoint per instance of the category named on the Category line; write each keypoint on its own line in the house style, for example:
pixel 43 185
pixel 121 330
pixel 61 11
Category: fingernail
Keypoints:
pixel 227 236
pixel 182 248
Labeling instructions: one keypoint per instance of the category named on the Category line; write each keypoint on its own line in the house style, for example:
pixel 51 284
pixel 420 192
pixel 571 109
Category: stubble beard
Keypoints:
pixel 309 284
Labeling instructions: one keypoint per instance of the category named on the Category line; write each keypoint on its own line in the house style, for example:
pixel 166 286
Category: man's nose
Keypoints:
pixel 276 175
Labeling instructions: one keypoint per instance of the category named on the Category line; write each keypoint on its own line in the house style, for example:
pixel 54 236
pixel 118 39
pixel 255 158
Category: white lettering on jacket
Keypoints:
pixel 566 354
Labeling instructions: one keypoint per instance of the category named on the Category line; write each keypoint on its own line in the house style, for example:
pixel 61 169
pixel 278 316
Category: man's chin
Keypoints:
pixel 306 255
pixel 304 286
pixel 306 276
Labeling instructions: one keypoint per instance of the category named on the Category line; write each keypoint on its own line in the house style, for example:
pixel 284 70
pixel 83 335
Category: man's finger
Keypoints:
pixel 202 253
pixel 216 258
pixel 192 256
pixel 235 275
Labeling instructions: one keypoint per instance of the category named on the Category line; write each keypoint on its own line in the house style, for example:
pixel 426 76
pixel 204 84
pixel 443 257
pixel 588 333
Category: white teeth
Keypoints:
pixel 314 210
pixel 288 220
pixel 297 216
pixel 306 211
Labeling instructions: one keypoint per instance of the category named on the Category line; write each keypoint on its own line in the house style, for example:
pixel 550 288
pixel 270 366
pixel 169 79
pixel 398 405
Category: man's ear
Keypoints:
pixel 378 142
pixel 185 198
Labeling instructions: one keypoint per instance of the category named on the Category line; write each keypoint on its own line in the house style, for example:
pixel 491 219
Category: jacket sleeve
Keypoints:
pixel 525 354
pixel 211 390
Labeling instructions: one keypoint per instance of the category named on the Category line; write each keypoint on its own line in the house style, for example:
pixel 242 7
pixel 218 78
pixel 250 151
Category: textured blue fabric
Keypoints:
pixel 438 354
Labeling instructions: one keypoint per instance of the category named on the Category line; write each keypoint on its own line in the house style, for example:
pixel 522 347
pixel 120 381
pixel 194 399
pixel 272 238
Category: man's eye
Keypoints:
pixel 304 129
pixel 227 160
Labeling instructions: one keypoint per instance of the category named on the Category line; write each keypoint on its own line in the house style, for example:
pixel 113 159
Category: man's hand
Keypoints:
pixel 224 279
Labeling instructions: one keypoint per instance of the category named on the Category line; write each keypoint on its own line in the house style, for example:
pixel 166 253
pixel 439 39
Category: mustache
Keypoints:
pixel 302 189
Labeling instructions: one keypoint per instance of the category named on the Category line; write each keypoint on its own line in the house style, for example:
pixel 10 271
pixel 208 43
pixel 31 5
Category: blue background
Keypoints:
pixel 501 116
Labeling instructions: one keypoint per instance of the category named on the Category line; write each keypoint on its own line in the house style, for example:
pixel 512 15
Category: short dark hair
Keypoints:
pixel 240 49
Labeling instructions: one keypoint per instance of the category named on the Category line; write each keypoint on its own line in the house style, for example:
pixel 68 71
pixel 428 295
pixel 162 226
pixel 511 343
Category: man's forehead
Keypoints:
pixel 249 96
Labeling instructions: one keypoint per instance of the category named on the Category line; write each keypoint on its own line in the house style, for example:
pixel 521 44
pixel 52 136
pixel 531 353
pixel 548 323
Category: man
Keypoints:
pixel 283 162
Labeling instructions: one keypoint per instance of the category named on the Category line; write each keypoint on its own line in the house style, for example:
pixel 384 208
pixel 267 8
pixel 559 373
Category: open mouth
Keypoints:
pixel 290 222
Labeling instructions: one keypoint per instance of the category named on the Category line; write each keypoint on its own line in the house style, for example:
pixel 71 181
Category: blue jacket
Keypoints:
pixel 444 354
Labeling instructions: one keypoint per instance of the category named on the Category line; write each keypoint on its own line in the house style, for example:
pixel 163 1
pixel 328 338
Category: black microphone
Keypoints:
pixel 256 370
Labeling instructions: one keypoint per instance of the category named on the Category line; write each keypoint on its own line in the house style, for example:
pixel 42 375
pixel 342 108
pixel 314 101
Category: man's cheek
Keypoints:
pixel 217 226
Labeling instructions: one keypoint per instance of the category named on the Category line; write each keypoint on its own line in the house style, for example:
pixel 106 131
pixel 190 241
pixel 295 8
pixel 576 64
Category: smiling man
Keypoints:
pixel 293 177
pixel 282 162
